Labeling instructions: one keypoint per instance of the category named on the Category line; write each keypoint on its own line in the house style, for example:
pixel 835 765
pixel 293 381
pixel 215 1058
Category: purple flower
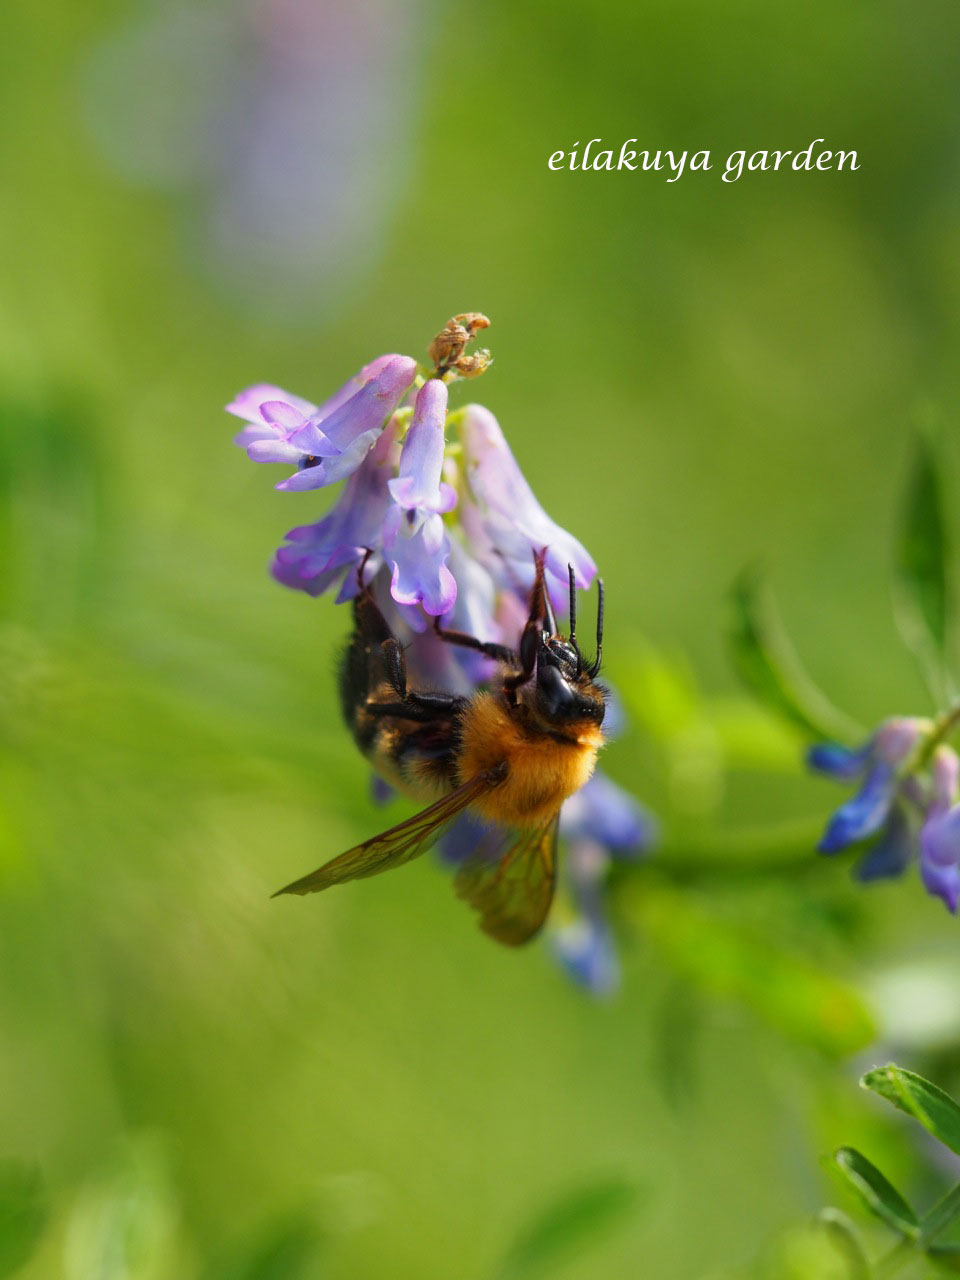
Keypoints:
pixel 600 822
pixel 414 540
pixel 940 833
pixel 879 763
pixel 604 813
pixel 504 520
pixel 322 554
pixel 325 443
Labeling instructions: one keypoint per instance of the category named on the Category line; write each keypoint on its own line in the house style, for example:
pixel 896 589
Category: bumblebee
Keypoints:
pixel 509 755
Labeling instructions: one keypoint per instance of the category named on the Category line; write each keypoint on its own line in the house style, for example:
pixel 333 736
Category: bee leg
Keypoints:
pixel 422 707
pixel 498 652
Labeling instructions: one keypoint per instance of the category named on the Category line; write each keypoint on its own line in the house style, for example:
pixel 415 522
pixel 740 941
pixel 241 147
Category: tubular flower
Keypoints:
pixel 878 763
pixel 602 823
pixel 328 443
pixel 940 833
pixel 415 543
pixel 505 520
pixel 441 522
pixel 907 805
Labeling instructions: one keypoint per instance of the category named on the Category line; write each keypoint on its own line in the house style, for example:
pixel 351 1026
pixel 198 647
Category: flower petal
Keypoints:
pixel 605 813
pixel 585 949
pixel 273 450
pixel 514 520
pixel 369 408
pixel 837 761
pixel 247 403
pixel 891 854
pixel 421 460
pixel 420 573
pixel 278 413
pixel 865 814
pixel 353 385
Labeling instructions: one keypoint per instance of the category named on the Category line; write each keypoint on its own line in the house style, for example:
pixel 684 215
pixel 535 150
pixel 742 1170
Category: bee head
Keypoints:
pixel 566 688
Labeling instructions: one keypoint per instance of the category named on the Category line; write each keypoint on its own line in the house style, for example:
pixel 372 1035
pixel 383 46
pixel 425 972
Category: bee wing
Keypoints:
pixel 401 843
pixel 514 894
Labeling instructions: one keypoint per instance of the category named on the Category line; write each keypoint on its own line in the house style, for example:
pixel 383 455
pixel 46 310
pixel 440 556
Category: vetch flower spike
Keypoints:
pixel 440 535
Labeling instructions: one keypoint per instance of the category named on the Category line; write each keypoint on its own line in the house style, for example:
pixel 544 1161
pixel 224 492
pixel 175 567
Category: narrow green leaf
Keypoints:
pixel 23 1214
pixel 875 1191
pixel 936 1110
pixel 842 1235
pixel 921 563
pixel 567 1228
pixel 766 663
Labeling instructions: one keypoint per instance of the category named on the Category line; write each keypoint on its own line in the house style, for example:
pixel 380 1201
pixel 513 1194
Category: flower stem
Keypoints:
pixel 892 1263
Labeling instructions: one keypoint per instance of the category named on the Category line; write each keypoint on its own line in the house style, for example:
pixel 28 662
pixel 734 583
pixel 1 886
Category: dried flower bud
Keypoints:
pixel 473 366
pixel 472 321
pixel 447 348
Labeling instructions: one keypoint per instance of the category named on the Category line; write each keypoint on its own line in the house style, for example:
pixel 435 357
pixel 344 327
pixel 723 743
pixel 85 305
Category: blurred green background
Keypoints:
pixel 694 375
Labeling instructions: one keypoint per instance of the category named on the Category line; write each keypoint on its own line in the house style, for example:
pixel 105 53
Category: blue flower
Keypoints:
pixel 599 824
pixel 890 855
pixel 940 833
pixel 879 763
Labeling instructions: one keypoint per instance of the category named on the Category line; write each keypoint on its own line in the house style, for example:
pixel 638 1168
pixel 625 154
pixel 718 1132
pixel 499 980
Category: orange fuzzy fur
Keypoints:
pixel 543 771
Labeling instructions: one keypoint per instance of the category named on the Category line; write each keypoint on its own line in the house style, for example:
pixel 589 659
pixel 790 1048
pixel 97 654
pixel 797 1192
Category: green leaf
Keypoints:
pixel 921 564
pixel 768 666
pixel 23 1214
pixel 841 1233
pixel 936 1110
pixel 567 1228
pixel 875 1191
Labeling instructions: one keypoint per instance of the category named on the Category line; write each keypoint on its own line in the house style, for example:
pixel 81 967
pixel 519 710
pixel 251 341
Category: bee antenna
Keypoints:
pixel 595 665
pixel 573 605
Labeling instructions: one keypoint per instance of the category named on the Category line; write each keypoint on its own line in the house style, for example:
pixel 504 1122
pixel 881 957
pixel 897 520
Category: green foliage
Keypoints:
pixel 287 1250
pixel 23 1214
pixel 842 1235
pixel 936 1110
pixel 875 1191
pixel 732 961
pixel 123 1224
pixel 945 1257
pixel 765 661
pixel 574 1223
pixel 922 567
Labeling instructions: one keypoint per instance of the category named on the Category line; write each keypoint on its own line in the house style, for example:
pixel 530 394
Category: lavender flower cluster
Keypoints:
pixel 907 804
pixel 435 502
